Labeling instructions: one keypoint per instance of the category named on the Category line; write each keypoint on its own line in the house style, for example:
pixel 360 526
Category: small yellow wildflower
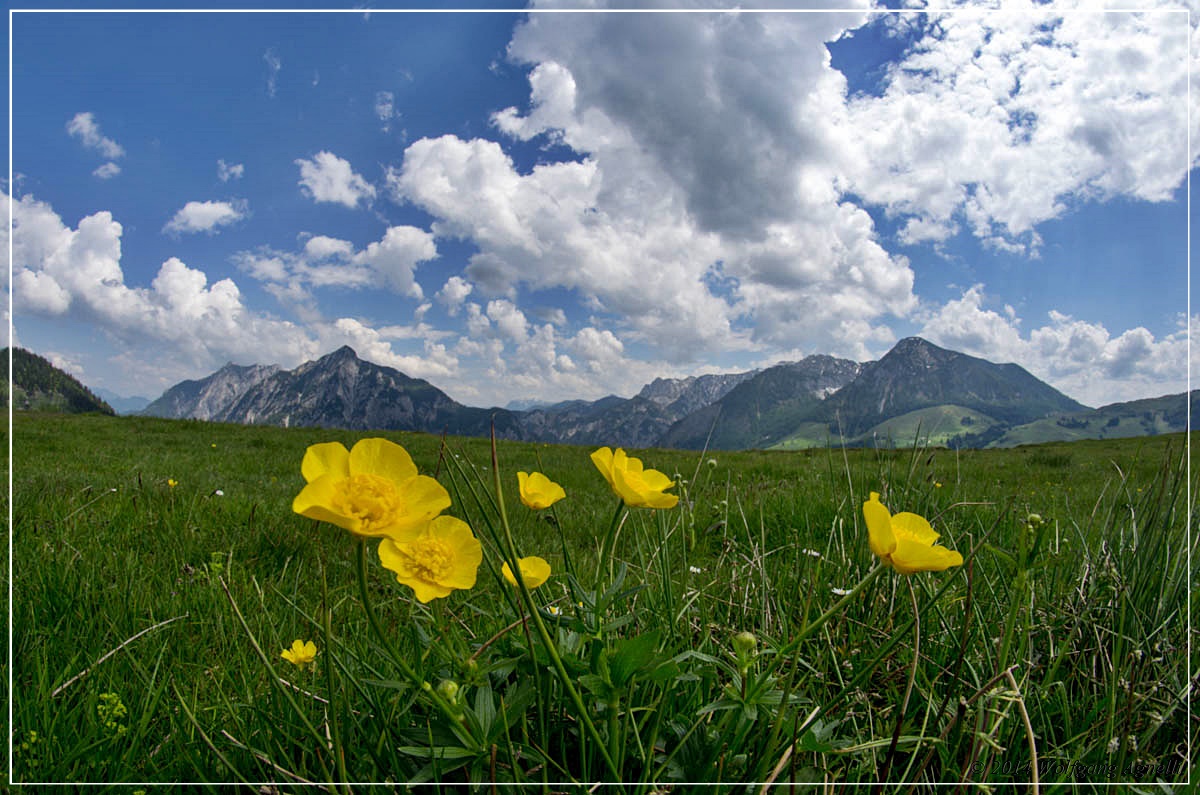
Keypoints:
pixel 538 491
pixel 371 490
pixel 172 483
pixel 301 654
pixel 442 557
pixel 637 486
pixel 534 572
pixel 905 541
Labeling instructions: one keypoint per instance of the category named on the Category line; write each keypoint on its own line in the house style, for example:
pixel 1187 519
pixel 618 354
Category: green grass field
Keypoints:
pixel 158 572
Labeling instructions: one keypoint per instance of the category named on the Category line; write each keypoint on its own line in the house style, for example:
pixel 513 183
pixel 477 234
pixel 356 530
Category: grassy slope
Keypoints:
pixel 936 426
pixel 1121 420
pixel 104 548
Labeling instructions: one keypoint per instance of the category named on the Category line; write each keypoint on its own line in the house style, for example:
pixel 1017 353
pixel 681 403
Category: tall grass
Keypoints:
pixel 148 619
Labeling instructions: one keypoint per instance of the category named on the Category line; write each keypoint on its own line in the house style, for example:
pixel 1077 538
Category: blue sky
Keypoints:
pixel 552 206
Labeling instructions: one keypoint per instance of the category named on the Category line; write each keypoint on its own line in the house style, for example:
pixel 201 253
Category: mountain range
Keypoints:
pixel 916 392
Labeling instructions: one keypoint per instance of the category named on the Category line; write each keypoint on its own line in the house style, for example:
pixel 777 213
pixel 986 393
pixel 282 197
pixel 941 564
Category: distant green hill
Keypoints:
pixel 38 385
pixel 939 426
pixel 936 425
pixel 1148 417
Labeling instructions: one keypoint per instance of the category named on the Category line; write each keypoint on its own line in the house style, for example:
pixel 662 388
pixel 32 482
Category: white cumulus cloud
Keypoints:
pixel 206 216
pixel 329 178
pixel 704 213
pixel 181 324
pixel 1080 358
pixel 454 292
pixel 60 270
pixel 1000 121
pixel 323 261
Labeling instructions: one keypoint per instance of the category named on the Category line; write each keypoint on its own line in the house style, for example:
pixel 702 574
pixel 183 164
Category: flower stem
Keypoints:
pixel 610 540
pixel 912 677
pixel 446 708
pixel 816 624
pixel 543 634
pixel 339 752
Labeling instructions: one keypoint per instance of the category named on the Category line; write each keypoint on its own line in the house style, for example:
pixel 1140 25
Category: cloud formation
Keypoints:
pixel 997 122
pixel 206 216
pixel 59 270
pixel 180 325
pixel 228 171
pixel 388 263
pixel 84 127
pixel 1080 358
pixel 329 178
pixel 274 66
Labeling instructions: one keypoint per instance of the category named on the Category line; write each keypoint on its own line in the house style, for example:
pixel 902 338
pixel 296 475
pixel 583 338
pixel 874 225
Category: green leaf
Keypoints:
pixel 815 738
pixel 597 686
pixel 485 709
pixel 440 752
pixel 634 655
pixel 720 705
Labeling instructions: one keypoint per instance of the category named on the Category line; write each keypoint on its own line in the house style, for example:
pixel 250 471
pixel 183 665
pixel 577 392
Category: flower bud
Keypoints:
pixel 448 689
pixel 744 643
pixel 745 646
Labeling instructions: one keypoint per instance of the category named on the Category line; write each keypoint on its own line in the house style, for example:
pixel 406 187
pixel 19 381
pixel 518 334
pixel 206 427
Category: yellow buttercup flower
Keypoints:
pixel 638 487
pixel 905 541
pixel 538 491
pixel 301 654
pixel 534 572
pixel 444 556
pixel 371 490
pixel 172 482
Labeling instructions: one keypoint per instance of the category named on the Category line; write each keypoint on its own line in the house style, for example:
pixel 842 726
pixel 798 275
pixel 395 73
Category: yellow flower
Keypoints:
pixel 172 482
pixel 372 490
pixel 442 557
pixel 638 487
pixel 539 491
pixel 534 572
pixel 905 541
pixel 301 654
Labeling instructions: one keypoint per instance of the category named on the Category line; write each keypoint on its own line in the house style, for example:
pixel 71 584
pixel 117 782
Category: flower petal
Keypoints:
pixel 656 480
pixel 315 501
pixel 628 486
pixel 468 552
pixel 534 571
pixel 879 526
pixel 383 458
pixel 428 591
pixel 603 459
pixel 912 556
pixel 660 499
pixel 627 463
pixel 509 577
pixel 424 499
pixel 914 527
pixel 326 458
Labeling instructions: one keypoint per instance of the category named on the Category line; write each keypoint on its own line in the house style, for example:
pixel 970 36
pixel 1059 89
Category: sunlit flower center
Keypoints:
pixel 371 499
pixel 430 558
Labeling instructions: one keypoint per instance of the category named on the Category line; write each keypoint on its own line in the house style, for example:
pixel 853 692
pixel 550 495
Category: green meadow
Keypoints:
pixel 158 571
